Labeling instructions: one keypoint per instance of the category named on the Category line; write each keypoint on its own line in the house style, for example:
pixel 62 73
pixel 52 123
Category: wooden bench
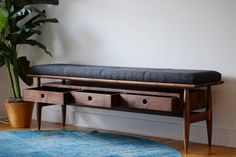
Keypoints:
pixel 170 92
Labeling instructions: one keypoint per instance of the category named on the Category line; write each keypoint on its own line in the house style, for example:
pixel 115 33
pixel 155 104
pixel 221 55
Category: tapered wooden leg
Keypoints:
pixel 209 111
pixel 186 119
pixel 39 114
pixel 39 107
pixel 63 109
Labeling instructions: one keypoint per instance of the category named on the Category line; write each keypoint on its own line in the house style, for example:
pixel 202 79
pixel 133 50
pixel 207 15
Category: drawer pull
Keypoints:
pixel 145 101
pixel 90 98
pixel 42 95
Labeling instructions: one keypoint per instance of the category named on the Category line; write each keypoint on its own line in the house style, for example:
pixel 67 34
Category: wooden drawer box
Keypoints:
pixel 158 103
pixel 95 98
pixel 49 95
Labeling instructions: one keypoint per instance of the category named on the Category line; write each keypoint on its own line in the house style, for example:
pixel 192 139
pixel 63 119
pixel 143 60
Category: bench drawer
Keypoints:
pixel 95 98
pixel 49 95
pixel 158 103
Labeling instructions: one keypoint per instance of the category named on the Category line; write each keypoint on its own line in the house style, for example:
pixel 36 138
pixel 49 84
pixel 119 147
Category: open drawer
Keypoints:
pixel 49 95
pixel 95 98
pixel 157 103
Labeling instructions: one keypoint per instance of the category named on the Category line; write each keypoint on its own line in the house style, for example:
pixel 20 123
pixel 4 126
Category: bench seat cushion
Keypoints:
pixel 178 76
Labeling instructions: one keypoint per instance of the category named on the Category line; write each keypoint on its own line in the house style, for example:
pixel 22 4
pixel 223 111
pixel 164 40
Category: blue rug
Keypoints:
pixel 62 143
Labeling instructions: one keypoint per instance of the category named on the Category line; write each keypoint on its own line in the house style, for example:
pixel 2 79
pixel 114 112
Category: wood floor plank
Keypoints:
pixel 195 149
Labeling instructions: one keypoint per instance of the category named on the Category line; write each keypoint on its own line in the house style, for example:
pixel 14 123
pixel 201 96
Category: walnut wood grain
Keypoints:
pixel 95 99
pixel 47 95
pixel 38 106
pixel 200 116
pixel 139 83
pixel 63 109
pixel 197 96
pixel 209 113
pixel 186 120
pixel 159 103
pixel 197 99
pixel 81 86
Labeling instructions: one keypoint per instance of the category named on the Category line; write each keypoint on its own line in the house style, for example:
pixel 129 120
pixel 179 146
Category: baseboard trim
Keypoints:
pixel 140 124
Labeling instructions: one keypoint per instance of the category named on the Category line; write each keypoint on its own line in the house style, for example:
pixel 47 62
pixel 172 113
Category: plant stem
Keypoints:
pixel 10 75
pixel 17 83
pixel 16 72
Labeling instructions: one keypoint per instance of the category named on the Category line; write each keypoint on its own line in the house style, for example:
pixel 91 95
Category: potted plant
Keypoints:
pixel 20 21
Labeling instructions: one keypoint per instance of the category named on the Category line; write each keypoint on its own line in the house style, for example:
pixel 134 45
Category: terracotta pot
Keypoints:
pixel 20 114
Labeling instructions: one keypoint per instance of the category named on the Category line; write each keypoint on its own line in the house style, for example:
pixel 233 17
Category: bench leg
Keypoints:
pixel 39 114
pixel 63 109
pixel 39 107
pixel 186 119
pixel 209 118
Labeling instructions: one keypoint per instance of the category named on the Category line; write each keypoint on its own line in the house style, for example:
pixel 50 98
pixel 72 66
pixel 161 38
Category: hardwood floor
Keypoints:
pixel 195 150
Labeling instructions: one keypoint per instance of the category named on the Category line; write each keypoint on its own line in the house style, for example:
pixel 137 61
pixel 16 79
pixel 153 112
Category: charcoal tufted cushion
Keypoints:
pixel 127 73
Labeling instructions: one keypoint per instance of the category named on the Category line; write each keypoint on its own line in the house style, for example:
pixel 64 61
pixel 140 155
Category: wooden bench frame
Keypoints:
pixel 188 116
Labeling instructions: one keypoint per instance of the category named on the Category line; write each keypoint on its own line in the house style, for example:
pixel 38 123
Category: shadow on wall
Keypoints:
pixel 224 102
pixel 5 90
pixel 67 40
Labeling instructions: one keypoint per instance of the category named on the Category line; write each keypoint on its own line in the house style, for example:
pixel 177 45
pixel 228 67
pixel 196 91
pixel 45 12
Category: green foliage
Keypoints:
pixel 3 20
pixel 19 22
pixel 24 69
pixel 36 43
pixel 21 3
pixel 1 59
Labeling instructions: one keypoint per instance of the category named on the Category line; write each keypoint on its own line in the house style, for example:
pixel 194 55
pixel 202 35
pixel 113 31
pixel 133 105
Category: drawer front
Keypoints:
pixel 158 103
pixel 94 99
pixel 49 96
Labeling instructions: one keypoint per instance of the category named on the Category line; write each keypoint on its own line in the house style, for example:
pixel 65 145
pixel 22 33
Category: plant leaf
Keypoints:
pixel 36 43
pixel 4 47
pixel 5 52
pixel 22 13
pixel 20 3
pixel 24 69
pixel 22 35
pixel 2 60
pixel 35 18
pixel 8 4
pixel 3 20
pixel 41 22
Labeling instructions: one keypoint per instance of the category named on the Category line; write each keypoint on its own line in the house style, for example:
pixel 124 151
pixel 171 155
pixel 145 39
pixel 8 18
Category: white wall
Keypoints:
pixel 196 34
